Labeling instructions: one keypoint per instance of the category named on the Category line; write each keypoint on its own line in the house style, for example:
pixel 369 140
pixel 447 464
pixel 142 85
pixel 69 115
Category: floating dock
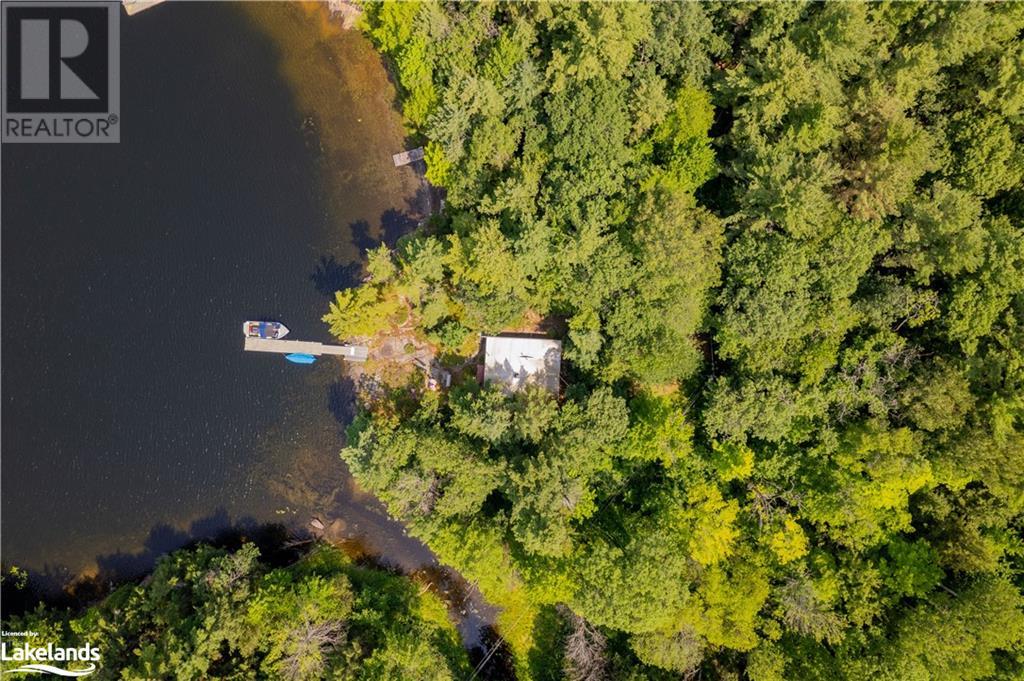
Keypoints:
pixel 406 157
pixel 352 353
pixel 135 6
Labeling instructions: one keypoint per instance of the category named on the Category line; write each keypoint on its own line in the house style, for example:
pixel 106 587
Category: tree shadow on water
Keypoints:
pixel 500 666
pixel 341 400
pixel 394 224
pixel 217 529
pixel 361 236
pixel 59 587
pixel 330 275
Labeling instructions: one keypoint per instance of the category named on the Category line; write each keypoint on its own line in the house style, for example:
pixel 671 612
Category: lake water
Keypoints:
pixel 253 171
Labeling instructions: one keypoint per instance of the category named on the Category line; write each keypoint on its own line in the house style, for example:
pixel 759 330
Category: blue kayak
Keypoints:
pixel 300 358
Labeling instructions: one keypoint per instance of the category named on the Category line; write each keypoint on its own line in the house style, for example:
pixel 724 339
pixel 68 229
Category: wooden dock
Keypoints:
pixel 133 7
pixel 352 353
pixel 406 157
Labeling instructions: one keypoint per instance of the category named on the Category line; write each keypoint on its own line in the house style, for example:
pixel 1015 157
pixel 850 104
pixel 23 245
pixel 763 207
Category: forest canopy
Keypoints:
pixel 782 244
pixel 210 613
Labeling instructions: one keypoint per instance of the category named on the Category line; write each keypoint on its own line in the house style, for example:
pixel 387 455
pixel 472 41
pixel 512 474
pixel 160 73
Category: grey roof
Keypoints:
pixel 516 361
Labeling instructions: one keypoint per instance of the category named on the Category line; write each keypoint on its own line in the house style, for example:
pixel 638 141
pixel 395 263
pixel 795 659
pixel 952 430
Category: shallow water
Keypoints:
pixel 253 171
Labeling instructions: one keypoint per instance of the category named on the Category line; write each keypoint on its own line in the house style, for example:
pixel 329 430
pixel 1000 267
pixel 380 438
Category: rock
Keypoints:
pixel 347 10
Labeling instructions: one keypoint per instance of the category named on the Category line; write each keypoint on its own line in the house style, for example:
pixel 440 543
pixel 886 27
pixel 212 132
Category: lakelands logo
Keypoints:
pixel 61 76
pixel 36 659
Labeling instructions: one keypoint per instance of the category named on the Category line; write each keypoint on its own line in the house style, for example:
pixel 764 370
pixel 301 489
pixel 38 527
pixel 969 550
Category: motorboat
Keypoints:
pixel 271 330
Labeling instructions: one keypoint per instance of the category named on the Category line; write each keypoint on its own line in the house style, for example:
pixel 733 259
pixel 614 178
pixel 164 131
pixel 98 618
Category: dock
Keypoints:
pixel 133 7
pixel 406 157
pixel 351 353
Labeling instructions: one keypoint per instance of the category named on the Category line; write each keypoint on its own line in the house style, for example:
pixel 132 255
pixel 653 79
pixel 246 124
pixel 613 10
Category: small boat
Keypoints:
pixel 300 358
pixel 273 330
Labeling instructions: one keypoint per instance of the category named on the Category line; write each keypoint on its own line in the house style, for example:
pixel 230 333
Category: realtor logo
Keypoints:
pixel 61 71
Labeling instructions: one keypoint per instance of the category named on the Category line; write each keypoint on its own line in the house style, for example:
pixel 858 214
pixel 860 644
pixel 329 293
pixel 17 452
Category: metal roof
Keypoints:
pixel 516 361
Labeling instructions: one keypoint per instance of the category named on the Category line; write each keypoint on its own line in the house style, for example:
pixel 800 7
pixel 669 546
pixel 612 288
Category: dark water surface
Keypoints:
pixel 254 166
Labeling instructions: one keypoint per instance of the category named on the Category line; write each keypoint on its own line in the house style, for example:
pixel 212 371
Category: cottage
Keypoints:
pixel 516 361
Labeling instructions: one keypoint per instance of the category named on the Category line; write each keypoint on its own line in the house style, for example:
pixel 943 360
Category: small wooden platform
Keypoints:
pixel 136 6
pixel 407 157
pixel 352 353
